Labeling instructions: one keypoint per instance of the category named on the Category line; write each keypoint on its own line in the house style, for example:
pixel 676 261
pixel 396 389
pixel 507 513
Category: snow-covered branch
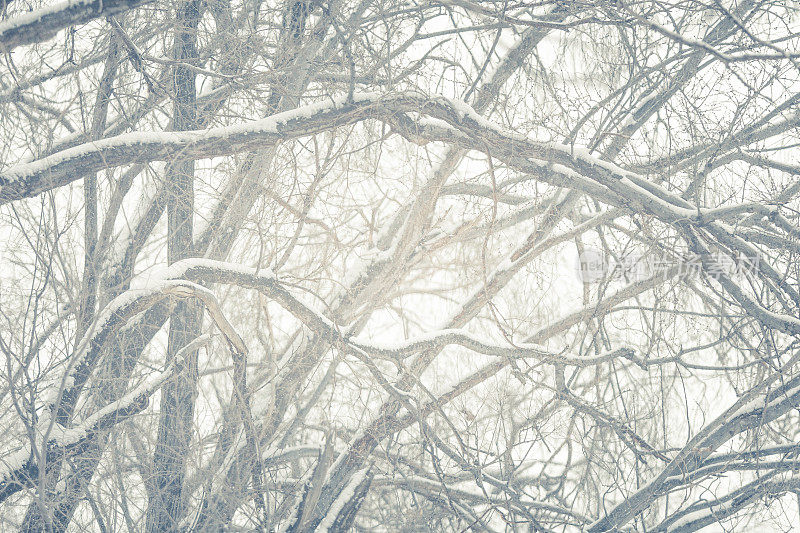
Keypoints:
pixel 42 24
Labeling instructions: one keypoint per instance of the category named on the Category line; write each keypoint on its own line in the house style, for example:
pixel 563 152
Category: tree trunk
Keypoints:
pixel 178 396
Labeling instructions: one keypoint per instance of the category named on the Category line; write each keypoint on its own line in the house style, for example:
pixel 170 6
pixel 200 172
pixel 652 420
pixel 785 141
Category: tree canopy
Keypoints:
pixel 392 265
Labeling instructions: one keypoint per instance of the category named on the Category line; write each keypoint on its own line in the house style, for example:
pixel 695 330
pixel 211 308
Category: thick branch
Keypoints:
pixel 43 24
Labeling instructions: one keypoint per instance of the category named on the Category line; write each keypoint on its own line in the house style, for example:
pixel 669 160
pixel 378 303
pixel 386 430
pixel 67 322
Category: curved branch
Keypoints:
pixel 42 24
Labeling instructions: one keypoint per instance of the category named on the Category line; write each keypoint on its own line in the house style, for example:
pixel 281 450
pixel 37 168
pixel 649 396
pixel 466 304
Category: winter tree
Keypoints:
pixel 376 265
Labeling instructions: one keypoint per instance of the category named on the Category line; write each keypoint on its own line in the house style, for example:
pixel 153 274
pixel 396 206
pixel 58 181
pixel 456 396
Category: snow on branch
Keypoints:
pixel 66 166
pixel 343 510
pixel 436 340
pixel 221 272
pixel 42 24
pixel 565 165
pixel 117 313
pixel 19 468
pixel 16 468
pixel 64 394
pixel 131 403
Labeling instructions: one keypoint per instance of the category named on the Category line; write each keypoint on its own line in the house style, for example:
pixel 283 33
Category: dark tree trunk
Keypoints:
pixel 178 396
